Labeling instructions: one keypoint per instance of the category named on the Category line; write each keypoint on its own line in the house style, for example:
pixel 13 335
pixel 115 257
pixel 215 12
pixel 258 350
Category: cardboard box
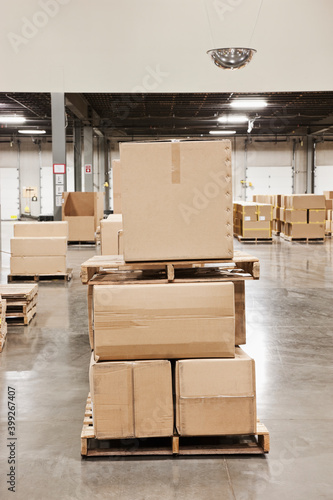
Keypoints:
pixel 256 229
pixel 110 228
pixel 328 226
pixel 38 265
pixel 305 201
pixel 177 200
pixel 216 396
pixel 116 186
pixel 29 247
pixel 83 212
pixel 247 211
pixel 131 399
pixel 265 211
pixel 317 216
pixel 329 204
pixel 328 195
pixel 329 215
pixel 40 229
pixel 179 320
pixel 291 215
pixel 305 230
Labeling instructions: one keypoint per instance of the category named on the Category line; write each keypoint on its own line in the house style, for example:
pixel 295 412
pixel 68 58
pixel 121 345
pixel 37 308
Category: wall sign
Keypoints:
pixel 59 168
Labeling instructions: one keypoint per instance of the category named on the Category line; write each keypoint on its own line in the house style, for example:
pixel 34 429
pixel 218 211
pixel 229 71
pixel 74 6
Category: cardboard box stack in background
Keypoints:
pixel 304 216
pixel 39 248
pixel 3 323
pixel 83 212
pixel 329 211
pixel 182 190
pixel 111 235
pixel 253 220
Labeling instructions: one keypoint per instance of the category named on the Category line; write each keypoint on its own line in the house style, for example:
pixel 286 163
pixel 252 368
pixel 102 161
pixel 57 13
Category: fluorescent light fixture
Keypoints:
pixel 32 131
pixel 248 103
pixel 222 132
pixel 233 119
pixel 12 119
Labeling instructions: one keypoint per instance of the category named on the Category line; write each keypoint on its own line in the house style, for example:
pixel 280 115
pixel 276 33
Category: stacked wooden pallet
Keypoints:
pixel 21 302
pixel 3 323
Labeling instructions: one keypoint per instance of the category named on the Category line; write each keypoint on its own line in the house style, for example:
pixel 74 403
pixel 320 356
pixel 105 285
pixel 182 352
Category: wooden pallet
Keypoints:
pixel 21 308
pixel 20 318
pixel 244 239
pixel 40 277
pixel 303 240
pixel 3 336
pixel 83 243
pixel 174 445
pixel 18 292
pixel 242 266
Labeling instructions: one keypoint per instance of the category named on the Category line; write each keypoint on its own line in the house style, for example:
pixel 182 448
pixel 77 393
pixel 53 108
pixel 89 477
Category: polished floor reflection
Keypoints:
pixel 289 330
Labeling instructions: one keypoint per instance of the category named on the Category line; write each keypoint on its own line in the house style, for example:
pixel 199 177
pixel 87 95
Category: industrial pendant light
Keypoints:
pixel 232 57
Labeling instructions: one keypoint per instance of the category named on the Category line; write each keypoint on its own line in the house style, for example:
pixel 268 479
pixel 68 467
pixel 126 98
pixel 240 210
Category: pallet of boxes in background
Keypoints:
pixel 167 375
pixel 3 323
pixel 253 222
pixel 304 218
pixel 21 300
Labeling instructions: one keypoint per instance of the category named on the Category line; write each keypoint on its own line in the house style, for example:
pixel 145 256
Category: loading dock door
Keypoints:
pixel 269 180
pixel 9 193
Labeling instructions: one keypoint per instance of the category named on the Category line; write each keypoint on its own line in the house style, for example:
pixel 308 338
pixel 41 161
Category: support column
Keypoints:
pixel 88 141
pixel 104 169
pixel 78 155
pixel 58 151
pixel 310 168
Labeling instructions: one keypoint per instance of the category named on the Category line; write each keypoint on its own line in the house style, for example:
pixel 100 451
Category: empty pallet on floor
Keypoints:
pixel 40 277
pixel 254 444
pixel 21 302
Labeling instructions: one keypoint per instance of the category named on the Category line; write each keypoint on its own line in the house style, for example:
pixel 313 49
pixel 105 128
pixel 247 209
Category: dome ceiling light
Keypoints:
pixel 231 58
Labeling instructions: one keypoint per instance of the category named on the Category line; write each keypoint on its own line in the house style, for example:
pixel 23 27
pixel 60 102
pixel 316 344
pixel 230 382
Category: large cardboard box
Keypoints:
pixel 131 399
pixel 40 229
pixel 25 247
pixel 116 186
pixel 83 212
pixel 216 396
pixel 177 200
pixel 329 204
pixel 328 195
pixel 256 229
pixel 265 211
pixel 179 320
pixel 317 216
pixel 247 211
pixel 291 215
pixel 38 265
pixel 305 201
pixel 305 230
pixel 110 228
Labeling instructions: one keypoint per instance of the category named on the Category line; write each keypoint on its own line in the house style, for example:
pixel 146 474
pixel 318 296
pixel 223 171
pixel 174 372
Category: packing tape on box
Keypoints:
pixel 175 163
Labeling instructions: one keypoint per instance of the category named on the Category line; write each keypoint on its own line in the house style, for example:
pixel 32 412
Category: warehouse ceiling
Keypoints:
pixel 130 116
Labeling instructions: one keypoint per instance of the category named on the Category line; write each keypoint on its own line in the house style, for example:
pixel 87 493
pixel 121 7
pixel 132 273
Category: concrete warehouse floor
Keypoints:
pixel 289 328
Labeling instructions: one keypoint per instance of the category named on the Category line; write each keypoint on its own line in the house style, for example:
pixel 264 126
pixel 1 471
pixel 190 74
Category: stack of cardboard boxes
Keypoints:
pixel 3 323
pixel 166 355
pixel 111 235
pixel 329 211
pixel 39 248
pixel 253 220
pixel 304 216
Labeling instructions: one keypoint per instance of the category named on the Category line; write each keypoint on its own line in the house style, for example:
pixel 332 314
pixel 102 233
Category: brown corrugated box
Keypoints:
pixel 83 212
pixel 41 229
pixel 177 200
pixel 305 201
pixel 317 216
pixel 38 265
pixel 29 247
pixel 265 211
pixel 247 211
pixel 256 229
pixel 305 230
pixel 110 228
pixel 131 399
pixel 328 195
pixel 216 396
pixel 291 215
pixel 116 186
pixel 181 320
